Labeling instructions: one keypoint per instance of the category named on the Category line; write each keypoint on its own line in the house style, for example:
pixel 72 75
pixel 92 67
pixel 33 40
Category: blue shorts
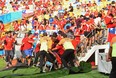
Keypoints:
pixel 2 52
pixel 28 52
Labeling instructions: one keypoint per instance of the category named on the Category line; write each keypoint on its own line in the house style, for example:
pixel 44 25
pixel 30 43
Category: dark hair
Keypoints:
pixel 6 32
pixel 44 21
pixel 16 21
pixel 81 15
pixel 10 31
pixel 91 16
pixel 99 15
pixel 36 19
pixel 11 2
pixel 27 21
pixel 64 35
pixel 54 34
pixel 68 27
pixel 1 21
pixel 72 23
pixel 60 32
pixel 44 34
pixel 70 31
pixel 14 33
pixel 113 2
pixel 111 15
pixel 44 12
pixel 29 33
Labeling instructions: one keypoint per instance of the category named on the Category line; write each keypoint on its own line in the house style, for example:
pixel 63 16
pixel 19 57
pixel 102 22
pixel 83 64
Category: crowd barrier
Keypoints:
pixel 10 17
pixel 49 32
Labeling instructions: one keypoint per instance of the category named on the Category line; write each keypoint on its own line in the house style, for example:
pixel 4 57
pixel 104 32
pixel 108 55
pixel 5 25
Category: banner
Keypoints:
pixel 10 17
pixel 16 16
pixel 6 18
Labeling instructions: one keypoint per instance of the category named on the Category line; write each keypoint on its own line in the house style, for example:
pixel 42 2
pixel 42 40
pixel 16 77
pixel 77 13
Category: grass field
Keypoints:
pixel 33 72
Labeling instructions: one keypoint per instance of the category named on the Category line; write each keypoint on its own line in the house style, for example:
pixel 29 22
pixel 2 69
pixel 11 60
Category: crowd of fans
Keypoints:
pixel 73 34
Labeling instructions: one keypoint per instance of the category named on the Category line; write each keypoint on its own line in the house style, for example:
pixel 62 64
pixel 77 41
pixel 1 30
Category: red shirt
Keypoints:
pixel 58 58
pixel 16 27
pixel 62 23
pixel 9 43
pixel 37 48
pixel 75 43
pixel 59 37
pixel 2 27
pixel 41 27
pixel 30 2
pixel 77 34
pixel 83 29
pixel 88 28
pixel 27 45
pixel 36 23
pixel 111 25
pixel 60 49
pixel 2 4
pixel 107 19
pixel 56 22
pixel 23 41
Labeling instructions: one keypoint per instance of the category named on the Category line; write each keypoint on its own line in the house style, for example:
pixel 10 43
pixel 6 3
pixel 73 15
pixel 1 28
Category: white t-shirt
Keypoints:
pixel 97 21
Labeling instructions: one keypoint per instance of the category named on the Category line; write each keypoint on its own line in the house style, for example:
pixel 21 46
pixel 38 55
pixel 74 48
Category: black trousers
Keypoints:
pixel 113 71
pixel 42 55
pixel 36 57
pixel 68 57
pixel 9 55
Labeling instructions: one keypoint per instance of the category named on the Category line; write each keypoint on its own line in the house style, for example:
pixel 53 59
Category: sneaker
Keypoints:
pixel 6 67
pixel 37 65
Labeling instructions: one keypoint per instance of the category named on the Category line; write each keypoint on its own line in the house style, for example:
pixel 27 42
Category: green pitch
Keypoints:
pixel 33 72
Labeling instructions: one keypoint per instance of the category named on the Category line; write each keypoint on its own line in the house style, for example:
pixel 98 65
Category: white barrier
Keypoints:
pixel 50 32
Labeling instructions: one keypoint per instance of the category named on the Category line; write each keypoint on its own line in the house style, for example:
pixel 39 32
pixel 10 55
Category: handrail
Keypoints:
pixel 94 49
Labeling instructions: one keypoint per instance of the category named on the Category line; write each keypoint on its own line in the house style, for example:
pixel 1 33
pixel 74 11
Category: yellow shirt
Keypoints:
pixel 67 44
pixel 46 43
pixel 44 46
pixel 113 45
pixel 114 50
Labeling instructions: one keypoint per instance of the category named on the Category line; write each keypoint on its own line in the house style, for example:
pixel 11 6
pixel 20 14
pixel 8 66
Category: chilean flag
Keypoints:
pixel 111 33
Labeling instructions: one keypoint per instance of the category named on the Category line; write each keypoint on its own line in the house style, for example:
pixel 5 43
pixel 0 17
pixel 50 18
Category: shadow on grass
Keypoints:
pixel 33 72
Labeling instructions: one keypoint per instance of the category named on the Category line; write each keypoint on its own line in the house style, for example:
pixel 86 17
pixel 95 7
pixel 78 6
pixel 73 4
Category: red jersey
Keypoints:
pixel 2 4
pixel 41 27
pixel 62 23
pixel 9 43
pixel 30 2
pixel 2 27
pixel 107 19
pixel 83 29
pixel 75 43
pixel 87 28
pixel 23 41
pixel 111 25
pixel 77 34
pixel 60 49
pixel 56 22
pixel 27 44
pixel 59 37
pixel 16 27
pixel 37 48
